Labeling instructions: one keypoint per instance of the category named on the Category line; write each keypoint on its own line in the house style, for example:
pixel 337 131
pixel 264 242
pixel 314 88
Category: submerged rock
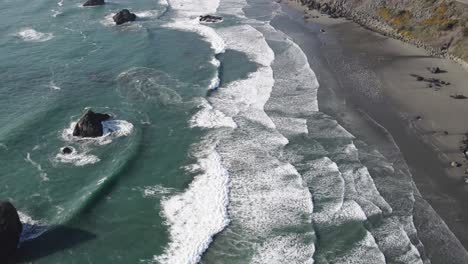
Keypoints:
pixel 455 164
pixel 210 19
pixel 94 3
pixel 90 125
pixel 10 231
pixel 124 16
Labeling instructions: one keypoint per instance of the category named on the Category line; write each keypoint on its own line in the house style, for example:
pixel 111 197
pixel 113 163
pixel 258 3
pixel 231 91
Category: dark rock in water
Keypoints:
pixel 10 231
pixel 67 150
pixel 94 3
pixel 419 78
pixel 210 19
pixel 322 30
pixel 124 16
pixel 90 125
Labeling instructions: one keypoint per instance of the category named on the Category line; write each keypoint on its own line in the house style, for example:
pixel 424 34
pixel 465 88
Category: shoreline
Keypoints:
pixel 369 74
pixel 374 25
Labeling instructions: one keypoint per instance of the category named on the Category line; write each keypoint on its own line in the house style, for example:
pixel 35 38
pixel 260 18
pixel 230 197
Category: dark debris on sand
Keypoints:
pixel 431 82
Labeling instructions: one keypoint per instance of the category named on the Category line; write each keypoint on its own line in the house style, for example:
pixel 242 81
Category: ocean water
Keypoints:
pixel 217 151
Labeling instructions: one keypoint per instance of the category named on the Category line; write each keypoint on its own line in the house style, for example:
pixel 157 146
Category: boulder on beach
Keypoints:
pixel 90 125
pixel 435 70
pixel 10 231
pixel 458 96
pixel 94 3
pixel 124 16
pixel 210 19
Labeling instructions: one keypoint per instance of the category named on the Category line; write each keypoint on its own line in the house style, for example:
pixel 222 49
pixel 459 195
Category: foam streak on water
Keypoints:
pixel 31 35
pixel 267 194
pixel 199 213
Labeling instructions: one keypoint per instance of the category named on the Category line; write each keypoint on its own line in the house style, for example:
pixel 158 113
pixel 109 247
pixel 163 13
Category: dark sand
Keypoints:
pixel 365 84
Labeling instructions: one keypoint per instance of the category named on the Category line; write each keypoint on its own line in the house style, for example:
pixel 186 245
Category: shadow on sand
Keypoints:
pixel 56 239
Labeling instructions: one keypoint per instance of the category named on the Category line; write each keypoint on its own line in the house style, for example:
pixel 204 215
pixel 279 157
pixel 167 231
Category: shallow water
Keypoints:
pixel 249 172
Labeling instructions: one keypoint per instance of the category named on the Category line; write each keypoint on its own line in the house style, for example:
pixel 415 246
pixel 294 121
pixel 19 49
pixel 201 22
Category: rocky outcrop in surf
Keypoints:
pixel 10 231
pixel 94 3
pixel 124 16
pixel 210 19
pixel 90 125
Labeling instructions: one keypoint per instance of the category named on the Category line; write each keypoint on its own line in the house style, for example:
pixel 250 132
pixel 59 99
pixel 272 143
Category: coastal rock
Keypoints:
pixel 455 164
pixel 90 125
pixel 67 150
pixel 10 231
pixel 94 3
pixel 210 19
pixel 124 16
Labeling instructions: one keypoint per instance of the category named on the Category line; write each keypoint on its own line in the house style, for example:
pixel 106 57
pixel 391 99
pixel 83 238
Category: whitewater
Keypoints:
pixel 284 179
pixel 217 150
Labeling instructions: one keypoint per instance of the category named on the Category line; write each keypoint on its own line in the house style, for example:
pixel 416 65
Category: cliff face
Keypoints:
pixel 441 26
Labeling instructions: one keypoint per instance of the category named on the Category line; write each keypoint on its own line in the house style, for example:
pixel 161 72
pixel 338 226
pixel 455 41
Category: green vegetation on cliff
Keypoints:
pixel 439 24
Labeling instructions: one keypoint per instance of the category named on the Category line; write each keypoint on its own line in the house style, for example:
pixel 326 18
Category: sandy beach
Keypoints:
pixel 369 83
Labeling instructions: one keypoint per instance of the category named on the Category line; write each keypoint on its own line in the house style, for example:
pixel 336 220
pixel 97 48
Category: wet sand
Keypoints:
pixel 366 84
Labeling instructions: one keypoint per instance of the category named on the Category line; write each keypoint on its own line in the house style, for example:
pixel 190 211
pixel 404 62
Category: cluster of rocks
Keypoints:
pixel 123 16
pixel 210 19
pixel 431 82
pixel 10 232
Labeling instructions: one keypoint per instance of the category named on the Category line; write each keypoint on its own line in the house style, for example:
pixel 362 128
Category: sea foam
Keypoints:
pixel 31 35
pixel 31 228
pixel 198 213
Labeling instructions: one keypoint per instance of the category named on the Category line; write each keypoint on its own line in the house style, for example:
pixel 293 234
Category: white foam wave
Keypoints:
pixel 148 14
pixel 31 228
pixel 53 86
pixel 31 35
pixel 38 166
pixel 200 212
pixel 284 249
pixel 157 191
pixel 77 159
pixel 208 33
pixel 55 13
pixel 108 20
pixel 207 117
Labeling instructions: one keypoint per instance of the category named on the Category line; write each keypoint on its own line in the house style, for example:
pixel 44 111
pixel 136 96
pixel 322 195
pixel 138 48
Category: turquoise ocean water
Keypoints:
pixel 249 173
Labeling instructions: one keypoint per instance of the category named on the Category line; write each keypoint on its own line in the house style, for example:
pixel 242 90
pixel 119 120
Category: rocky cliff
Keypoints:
pixel 440 26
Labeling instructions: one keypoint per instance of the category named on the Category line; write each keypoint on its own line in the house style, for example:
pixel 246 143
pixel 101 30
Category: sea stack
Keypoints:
pixel 90 125
pixel 94 3
pixel 10 231
pixel 123 16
